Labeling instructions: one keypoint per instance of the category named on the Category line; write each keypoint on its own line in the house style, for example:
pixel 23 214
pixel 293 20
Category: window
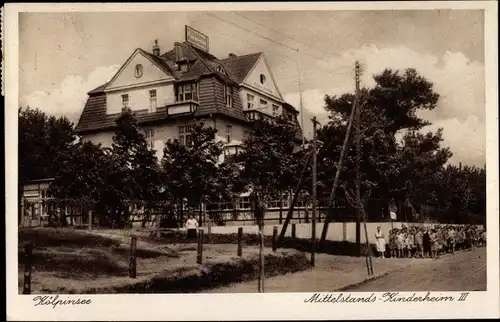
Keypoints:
pixel 125 101
pixel 250 98
pixel 220 69
pixel 152 100
pixel 138 70
pixel 229 129
pixel 275 109
pixel 244 203
pixel 150 136
pixel 185 135
pixel 262 79
pixel 263 104
pixel 228 91
pixel 186 92
pixel 228 206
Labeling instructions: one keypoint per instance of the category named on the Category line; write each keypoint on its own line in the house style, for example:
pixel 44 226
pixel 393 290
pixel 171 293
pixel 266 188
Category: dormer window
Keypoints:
pixel 220 69
pixel 228 94
pixel 186 92
pixel 125 101
pixel 262 79
pixel 138 70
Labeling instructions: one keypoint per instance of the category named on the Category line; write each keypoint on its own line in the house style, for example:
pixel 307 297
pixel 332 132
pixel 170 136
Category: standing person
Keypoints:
pixel 409 242
pixel 192 226
pixel 400 242
pixel 392 243
pixel 380 238
pixel 468 239
pixel 451 239
pixel 434 244
pixel 427 243
pixel 419 242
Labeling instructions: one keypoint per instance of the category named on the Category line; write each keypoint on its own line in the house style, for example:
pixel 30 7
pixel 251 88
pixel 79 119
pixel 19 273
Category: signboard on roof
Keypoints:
pixel 197 38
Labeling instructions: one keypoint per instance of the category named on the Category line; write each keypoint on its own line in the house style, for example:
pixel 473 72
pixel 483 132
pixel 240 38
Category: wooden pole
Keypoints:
pixel 275 236
pixel 358 159
pixel 209 230
pixel 199 257
pixel 240 241
pixel 133 257
pixel 294 231
pixel 315 164
pixel 262 262
pixel 333 192
pixel 28 263
pixel 90 219
pixel 294 199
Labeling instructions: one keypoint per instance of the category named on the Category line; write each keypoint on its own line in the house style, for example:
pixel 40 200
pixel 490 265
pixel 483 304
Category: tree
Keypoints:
pixel 191 168
pixel 266 164
pixel 44 143
pixel 390 107
pixel 136 174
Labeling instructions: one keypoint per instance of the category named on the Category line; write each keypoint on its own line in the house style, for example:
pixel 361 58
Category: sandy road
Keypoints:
pixel 463 271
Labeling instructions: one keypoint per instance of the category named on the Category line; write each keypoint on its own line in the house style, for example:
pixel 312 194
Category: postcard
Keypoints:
pixel 251 161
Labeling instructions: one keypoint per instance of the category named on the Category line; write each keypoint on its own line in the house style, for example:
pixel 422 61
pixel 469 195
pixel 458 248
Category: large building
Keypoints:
pixel 168 90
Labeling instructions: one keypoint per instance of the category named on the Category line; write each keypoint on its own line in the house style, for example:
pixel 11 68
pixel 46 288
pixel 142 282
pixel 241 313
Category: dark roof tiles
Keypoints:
pixel 238 67
pixel 212 101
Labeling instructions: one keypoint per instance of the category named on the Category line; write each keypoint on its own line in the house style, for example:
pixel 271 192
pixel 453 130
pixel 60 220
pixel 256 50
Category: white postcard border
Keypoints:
pixel 249 306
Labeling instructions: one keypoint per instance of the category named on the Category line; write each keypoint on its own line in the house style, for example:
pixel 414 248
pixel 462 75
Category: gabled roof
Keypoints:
pixel 154 59
pixel 94 117
pixel 238 67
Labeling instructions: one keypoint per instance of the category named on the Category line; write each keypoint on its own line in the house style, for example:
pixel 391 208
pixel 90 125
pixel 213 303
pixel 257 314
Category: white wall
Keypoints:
pixel 105 138
pixel 337 231
pixel 256 101
pixel 253 79
pixel 126 76
pixel 139 97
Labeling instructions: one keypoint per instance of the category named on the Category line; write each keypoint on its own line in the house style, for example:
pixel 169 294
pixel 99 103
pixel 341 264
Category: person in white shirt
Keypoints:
pixel 192 226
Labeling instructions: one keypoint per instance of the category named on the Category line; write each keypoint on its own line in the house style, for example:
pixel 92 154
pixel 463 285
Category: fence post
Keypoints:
pixel 133 258
pixel 209 228
pixel 199 258
pixel 28 263
pixel 240 239
pixel 90 219
pixel 275 237
pixel 294 231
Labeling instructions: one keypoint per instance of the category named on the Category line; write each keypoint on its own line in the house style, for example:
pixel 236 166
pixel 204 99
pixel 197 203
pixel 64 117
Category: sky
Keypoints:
pixel 64 55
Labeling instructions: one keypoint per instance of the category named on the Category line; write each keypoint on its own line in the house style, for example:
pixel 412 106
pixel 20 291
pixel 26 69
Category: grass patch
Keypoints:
pixel 196 279
pixel 53 237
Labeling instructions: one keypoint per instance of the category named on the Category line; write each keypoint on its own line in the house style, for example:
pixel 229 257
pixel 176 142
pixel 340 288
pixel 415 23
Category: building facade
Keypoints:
pixel 169 91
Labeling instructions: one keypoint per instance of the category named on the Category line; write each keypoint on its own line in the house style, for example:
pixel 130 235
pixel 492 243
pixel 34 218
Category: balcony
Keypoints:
pixel 255 114
pixel 182 107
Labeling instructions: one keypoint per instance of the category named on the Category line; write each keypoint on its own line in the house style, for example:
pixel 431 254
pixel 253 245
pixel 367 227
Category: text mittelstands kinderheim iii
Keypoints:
pixel 387 297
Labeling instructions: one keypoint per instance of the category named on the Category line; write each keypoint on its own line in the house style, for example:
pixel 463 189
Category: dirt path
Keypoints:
pixel 464 271
pixel 331 273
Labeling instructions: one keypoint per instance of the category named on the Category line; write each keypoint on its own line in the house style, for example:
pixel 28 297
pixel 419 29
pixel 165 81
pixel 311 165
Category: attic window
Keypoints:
pixel 262 79
pixel 220 69
pixel 138 70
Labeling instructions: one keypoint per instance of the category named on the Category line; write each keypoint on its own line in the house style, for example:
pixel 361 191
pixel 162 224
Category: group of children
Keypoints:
pixel 424 242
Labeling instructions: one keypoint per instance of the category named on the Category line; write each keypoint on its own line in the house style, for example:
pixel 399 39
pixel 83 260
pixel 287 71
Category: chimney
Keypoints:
pixel 156 48
pixel 231 55
pixel 179 52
